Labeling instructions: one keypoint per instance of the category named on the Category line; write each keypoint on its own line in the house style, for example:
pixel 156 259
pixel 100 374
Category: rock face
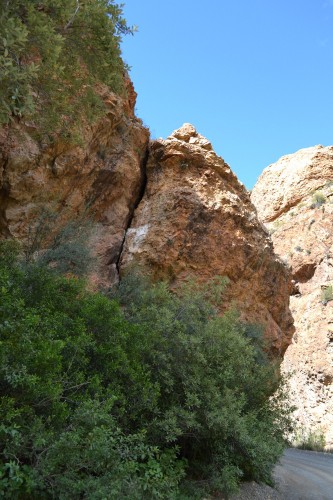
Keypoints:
pixel 197 219
pixel 294 199
pixel 103 180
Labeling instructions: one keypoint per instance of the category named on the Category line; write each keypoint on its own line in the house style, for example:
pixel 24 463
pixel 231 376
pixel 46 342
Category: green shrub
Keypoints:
pixel 73 392
pixel 119 398
pixel 318 199
pixel 53 54
pixel 67 251
pixel 214 385
pixel 326 294
pixel 310 440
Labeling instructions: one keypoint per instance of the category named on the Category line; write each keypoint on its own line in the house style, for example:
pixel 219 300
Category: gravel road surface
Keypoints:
pixel 300 475
pixel 305 475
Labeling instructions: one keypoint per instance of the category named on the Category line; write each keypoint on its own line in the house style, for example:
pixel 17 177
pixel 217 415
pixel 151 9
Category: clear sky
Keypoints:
pixel 253 76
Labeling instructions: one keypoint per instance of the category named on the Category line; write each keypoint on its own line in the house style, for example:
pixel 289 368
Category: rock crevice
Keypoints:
pixel 140 195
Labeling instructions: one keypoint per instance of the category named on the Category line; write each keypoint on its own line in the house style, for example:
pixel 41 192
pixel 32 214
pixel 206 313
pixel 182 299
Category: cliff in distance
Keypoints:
pixel 192 217
pixel 294 200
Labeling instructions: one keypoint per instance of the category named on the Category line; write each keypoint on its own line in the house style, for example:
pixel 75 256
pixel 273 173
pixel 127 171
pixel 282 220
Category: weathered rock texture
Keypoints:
pixel 196 219
pixel 103 179
pixel 294 199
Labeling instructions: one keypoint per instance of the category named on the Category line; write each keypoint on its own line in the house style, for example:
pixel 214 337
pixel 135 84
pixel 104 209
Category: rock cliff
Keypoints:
pixel 102 179
pixel 196 218
pixel 294 199
pixel 192 218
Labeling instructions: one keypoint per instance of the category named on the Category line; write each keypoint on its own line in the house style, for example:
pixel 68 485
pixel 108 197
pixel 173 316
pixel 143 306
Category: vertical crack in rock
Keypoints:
pixel 4 198
pixel 143 168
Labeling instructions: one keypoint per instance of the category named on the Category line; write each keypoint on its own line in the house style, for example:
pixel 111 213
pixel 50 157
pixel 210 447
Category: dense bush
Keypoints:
pixel 52 56
pixel 215 383
pixel 318 199
pixel 118 398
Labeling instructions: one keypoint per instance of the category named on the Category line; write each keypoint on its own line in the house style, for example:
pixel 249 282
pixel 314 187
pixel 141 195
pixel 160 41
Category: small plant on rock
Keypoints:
pixel 326 295
pixel 318 199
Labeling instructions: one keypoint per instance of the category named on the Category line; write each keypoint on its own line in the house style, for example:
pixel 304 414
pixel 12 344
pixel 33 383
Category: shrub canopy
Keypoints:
pixel 123 397
pixel 53 55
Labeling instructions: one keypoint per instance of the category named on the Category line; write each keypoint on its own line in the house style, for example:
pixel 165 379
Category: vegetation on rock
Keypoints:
pixel 140 395
pixel 53 56
pixel 318 199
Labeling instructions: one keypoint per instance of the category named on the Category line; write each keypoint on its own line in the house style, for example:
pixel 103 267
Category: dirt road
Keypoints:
pixel 300 475
pixel 305 475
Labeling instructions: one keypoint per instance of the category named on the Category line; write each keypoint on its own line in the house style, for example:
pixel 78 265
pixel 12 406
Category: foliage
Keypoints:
pixel 326 294
pixel 53 56
pixel 318 199
pixel 214 385
pixel 67 250
pixel 73 391
pixel 313 440
pixel 116 398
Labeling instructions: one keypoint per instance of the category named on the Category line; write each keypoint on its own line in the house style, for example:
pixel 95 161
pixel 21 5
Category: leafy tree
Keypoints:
pixel 215 383
pixel 54 57
pixel 73 390
pixel 118 398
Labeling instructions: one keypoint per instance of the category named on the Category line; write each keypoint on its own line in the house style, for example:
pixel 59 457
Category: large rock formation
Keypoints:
pixel 294 199
pixel 103 179
pixel 197 219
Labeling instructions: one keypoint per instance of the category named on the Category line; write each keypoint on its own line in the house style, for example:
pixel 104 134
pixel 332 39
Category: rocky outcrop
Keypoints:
pixel 294 199
pixel 197 219
pixel 192 217
pixel 102 179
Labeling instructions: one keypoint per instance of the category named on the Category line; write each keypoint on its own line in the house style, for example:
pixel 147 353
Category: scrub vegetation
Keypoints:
pixel 140 394
pixel 55 58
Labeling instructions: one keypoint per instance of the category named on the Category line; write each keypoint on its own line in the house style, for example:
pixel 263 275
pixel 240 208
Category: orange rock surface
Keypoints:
pixel 196 219
pixel 102 180
pixel 193 217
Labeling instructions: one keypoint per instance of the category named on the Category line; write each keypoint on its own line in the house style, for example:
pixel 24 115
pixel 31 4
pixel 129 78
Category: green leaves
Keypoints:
pixel 214 381
pixel 53 56
pixel 117 398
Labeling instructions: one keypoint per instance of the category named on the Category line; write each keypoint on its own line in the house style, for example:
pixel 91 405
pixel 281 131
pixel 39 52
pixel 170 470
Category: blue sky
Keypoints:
pixel 253 76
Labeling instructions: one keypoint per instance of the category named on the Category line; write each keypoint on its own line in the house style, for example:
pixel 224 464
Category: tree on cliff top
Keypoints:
pixel 53 54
